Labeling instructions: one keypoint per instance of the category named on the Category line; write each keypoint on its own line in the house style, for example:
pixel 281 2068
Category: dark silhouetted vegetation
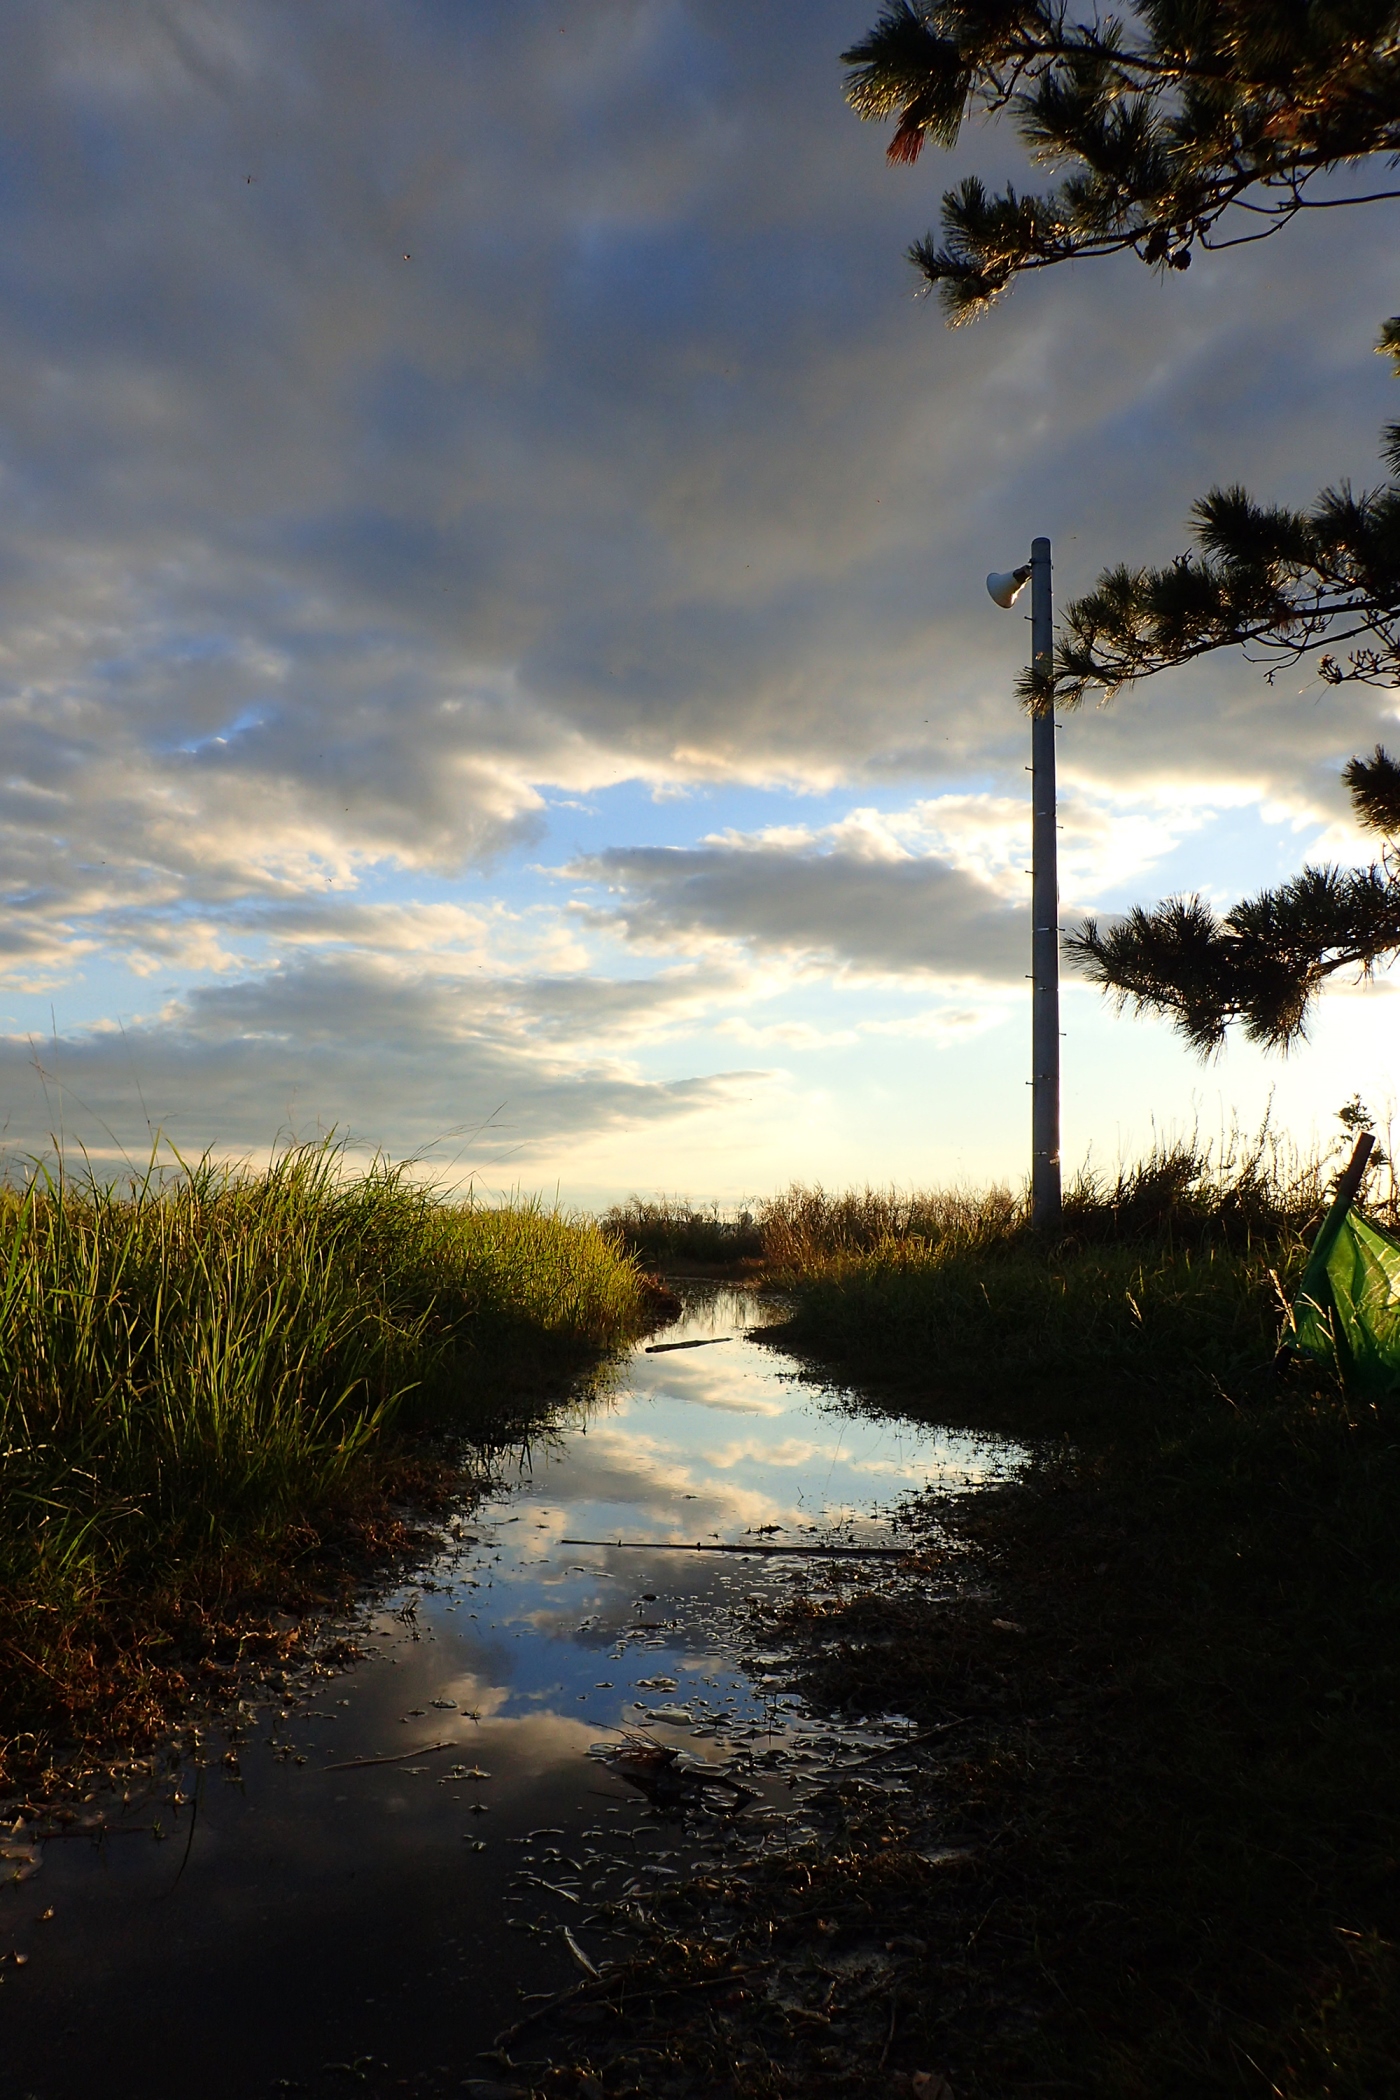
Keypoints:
pixel 1168 1648
pixel 669 1229
pixel 1177 125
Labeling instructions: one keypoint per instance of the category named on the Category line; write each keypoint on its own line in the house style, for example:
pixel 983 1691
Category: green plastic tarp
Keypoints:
pixel 1347 1312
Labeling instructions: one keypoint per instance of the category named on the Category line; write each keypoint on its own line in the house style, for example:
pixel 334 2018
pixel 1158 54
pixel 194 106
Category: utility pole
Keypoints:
pixel 1045 912
pixel 1005 588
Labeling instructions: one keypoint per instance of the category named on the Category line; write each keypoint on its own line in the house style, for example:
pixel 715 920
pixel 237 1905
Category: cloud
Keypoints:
pixel 417 422
pixel 866 913
pixel 642 461
pixel 389 1056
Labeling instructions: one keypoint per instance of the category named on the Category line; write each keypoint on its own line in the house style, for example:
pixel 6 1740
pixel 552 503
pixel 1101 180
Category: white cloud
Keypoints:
pixel 388 1055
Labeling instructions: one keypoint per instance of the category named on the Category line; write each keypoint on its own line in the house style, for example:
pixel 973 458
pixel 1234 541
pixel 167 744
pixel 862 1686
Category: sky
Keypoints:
pixel 494 656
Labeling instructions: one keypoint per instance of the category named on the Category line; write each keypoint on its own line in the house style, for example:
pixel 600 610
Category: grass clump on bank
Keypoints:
pixel 1176 1695
pixel 201 1374
pixel 672 1230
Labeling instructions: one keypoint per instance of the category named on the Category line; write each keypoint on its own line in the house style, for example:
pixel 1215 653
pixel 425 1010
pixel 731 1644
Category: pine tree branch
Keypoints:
pixel 1374 786
pixel 1168 123
pixel 1261 966
pixel 1287 583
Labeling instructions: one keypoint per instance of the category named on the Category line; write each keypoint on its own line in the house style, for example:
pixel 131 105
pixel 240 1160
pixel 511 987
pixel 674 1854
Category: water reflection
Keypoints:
pixel 333 1907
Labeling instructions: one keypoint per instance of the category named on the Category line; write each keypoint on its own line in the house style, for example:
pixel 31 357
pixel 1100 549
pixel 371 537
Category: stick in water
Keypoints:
pixel 709 1341
pixel 683 1546
pixel 578 1954
pixel 397 1757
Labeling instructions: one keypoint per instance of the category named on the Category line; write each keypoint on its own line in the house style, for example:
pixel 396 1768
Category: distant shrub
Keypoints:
pixel 1183 1193
pixel 667 1228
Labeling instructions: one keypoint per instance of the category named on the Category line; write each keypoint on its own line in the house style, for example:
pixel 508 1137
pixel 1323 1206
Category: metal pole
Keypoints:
pixel 1045 916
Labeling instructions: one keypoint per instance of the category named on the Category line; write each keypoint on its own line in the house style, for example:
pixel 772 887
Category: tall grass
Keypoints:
pixel 193 1364
pixel 1171 1270
pixel 672 1229
pixel 1181 1194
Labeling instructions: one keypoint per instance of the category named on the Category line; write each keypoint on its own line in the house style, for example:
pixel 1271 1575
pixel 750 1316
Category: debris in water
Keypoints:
pixel 398 1757
pixel 18 1860
pixel 842 1552
pixel 577 1952
pixel 553 1887
pixel 674 1779
pixel 709 1341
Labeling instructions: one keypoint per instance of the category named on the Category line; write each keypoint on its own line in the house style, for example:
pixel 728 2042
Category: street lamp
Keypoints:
pixel 1005 588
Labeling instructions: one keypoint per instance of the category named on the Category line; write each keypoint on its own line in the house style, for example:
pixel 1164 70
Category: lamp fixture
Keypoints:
pixel 1004 586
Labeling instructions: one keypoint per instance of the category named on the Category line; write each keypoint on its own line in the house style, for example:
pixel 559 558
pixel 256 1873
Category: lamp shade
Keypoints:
pixel 1004 586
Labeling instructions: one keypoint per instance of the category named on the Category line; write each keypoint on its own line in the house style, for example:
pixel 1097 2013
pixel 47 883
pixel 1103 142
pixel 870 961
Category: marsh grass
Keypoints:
pixel 672 1230
pixel 1243 1193
pixel 1172 1271
pixel 1181 1770
pixel 201 1371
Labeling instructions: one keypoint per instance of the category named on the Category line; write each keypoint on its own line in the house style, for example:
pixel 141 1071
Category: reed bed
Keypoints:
pixel 1171 1271
pixel 1181 1193
pixel 208 1362
pixel 672 1229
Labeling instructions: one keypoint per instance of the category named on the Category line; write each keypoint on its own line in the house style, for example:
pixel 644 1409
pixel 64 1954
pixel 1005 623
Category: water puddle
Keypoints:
pixel 359 1889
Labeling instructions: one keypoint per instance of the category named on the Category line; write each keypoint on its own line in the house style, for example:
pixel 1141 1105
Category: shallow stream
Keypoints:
pixel 299 1913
